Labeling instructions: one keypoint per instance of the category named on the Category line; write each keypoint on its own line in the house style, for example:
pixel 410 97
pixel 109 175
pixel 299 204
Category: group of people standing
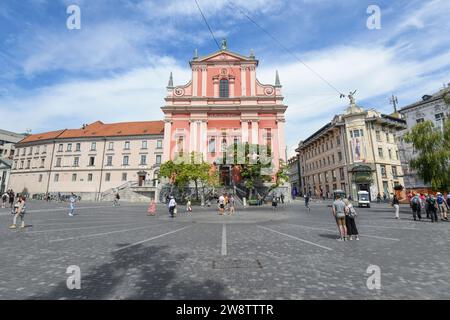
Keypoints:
pixel 226 203
pixel 431 205
pixel 345 215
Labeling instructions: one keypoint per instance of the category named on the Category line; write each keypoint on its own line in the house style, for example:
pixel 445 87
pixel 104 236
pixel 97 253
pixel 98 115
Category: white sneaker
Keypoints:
pixel 70 214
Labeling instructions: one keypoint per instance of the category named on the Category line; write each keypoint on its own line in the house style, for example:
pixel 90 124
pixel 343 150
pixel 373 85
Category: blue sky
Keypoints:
pixel 117 66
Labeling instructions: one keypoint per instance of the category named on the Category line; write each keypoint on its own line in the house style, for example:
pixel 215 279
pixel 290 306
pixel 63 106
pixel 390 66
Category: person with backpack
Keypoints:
pixel 415 206
pixel 432 206
pixel 19 212
pixel 339 212
pixel 442 206
pixel 396 205
pixel 172 206
pixel 116 200
pixel 350 221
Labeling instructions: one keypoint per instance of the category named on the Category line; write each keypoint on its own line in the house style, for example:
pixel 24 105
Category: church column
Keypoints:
pixel 191 135
pixel 203 137
pixel 231 87
pixel 194 81
pixel 216 87
pixel 204 78
pixel 244 129
pixel 255 132
pixel 167 139
pixel 252 81
pixel 281 141
pixel 243 82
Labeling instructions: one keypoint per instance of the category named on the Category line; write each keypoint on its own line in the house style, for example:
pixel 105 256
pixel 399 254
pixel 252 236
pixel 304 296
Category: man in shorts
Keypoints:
pixel 339 214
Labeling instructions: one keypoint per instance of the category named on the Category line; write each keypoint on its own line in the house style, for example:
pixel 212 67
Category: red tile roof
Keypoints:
pixel 99 129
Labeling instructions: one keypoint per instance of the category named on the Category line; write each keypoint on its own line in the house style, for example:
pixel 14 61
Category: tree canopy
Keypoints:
pixel 433 147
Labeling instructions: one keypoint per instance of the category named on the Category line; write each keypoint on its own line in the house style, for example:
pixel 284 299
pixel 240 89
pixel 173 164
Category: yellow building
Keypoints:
pixel 356 151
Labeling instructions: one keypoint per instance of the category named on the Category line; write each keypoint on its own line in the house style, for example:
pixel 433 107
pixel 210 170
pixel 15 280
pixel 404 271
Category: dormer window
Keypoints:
pixel 224 89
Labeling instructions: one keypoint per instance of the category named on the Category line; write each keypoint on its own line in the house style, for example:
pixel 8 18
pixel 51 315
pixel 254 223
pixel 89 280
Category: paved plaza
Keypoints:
pixel 256 254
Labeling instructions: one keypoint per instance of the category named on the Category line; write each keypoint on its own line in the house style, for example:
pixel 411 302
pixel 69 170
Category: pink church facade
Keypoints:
pixel 224 103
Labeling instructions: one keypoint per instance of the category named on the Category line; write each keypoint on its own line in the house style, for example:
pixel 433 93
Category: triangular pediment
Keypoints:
pixel 223 55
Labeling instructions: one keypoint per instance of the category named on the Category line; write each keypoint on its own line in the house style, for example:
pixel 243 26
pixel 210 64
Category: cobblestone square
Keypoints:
pixel 255 254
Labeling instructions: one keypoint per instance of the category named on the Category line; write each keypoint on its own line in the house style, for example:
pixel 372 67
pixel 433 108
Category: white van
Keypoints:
pixel 363 199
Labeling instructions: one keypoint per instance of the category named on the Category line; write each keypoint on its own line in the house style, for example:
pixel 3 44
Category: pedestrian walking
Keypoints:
pixel 350 221
pixel 307 198
pixel 5 199
pixel 339 213
pixel 282 198
pixel 232 205
pixel 274 203
pixel 378 198
pixel 116 199
pixel 221 203
pixel 442 206
pixel 396 205
pixel 415 206
pixel 19 212
pixel 152 208
pixel 72 201
pixel 172 206
pixel 189 206
pixel 11 198
pixel 432 206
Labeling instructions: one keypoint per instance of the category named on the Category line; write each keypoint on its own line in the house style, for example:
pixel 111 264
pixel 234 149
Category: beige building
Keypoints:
pixel 356 151
pixel 93 162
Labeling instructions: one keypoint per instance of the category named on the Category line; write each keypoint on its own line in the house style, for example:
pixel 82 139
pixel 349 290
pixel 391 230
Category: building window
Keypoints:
pixel 396 155
pixel 89 176
pixel 212 145
pixel 380 152
pixel 74 177
pixel 108 177
pixel 439 116
pixel 158 159
pixel 78 147
pixel 420 120
pixel 144 145
pixel 341 173
pixel 224 88
pixel 93 146
pixel 159 144
pixel 37 150
pixel 383 171
pixel 21 164
pixel 127 145
pixel 124 176
pixel 390 153
pixel 24 150
pixel 339 156
pixel 60 147
pixel 69 147
pixel 91 161
pixel 109 160
pixel 111 146
pixel 180 146
pixel 58 162
pixel 76 161
pixel 56 178
pixel 143 159
pixel 40 178
pixel 394 171
pixel 125 160
pixel 378 135
pixel 387 137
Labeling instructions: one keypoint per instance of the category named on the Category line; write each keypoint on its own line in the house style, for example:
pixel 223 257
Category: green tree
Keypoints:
pixel 433 146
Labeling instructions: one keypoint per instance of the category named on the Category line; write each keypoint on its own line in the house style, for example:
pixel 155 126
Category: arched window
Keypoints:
pixel 224 88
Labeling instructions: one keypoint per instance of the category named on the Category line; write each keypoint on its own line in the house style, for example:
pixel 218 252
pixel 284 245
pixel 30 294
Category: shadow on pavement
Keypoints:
pixel 137 273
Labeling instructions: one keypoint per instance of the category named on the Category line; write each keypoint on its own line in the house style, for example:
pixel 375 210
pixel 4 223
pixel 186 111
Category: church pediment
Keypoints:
pixel 223 55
